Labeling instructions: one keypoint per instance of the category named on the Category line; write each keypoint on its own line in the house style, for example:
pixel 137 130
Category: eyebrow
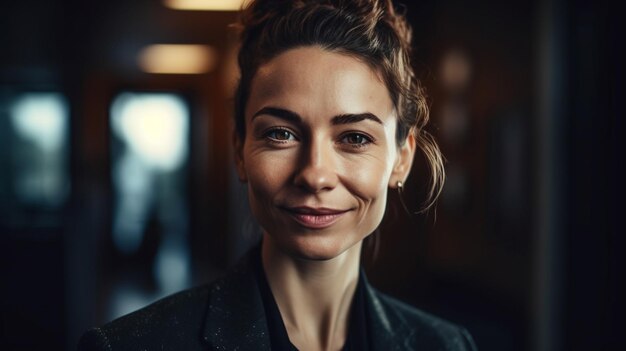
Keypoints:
pixel 346 118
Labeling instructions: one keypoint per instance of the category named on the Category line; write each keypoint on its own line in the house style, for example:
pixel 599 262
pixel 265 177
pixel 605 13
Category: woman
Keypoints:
pixel 328 117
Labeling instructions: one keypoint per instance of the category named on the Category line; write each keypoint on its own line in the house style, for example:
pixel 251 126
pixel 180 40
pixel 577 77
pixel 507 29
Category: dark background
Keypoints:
pixel 522 249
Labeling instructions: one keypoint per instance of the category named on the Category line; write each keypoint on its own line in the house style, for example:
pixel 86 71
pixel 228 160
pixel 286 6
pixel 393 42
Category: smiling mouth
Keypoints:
pixel 315 218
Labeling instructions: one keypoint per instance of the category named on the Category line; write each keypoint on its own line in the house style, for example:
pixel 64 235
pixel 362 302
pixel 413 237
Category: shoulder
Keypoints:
pixel 416 329
pixel 188 320
pixel 173 322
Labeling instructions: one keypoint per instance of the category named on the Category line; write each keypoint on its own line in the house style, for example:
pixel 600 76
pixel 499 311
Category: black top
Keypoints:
pixel 228 314
pixel 279 339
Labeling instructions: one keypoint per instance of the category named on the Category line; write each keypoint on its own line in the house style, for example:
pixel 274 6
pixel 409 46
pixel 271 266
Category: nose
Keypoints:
pixel 317 170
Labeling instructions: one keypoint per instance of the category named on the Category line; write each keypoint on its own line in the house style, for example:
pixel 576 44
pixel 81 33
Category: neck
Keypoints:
pixel 313 297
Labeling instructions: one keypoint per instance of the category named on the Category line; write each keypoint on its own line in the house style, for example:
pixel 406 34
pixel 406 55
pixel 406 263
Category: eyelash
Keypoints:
pixel 366 139
pixel 270 136
pixel 267 135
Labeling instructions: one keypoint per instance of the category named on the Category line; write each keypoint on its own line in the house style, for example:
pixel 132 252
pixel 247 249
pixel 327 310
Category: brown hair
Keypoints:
pixel 370 30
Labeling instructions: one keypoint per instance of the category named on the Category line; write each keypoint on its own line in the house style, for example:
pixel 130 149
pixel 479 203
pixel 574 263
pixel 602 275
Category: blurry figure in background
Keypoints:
pixel 329 115
pixel 151 131
pixel 40 126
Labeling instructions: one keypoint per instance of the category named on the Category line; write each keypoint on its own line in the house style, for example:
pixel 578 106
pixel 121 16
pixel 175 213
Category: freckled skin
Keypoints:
pixel 314 162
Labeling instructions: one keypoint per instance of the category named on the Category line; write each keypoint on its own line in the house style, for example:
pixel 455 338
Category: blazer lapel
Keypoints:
pixel 235 318
pixel 386 330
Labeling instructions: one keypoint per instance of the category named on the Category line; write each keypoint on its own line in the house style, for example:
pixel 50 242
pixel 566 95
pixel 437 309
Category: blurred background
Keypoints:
pixel 117 184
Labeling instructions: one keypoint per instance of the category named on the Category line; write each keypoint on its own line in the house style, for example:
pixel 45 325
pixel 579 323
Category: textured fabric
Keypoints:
pixel 229 315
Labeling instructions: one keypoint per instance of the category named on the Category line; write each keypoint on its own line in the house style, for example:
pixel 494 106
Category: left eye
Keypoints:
pixel 280 135
pixel 356 139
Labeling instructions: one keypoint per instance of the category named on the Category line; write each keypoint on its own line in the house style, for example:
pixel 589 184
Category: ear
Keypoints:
pixel 404 161
pixel 239 163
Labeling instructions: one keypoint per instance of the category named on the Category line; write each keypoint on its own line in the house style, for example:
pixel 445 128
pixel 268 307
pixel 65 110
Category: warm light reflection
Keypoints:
pixel 455 70
pixel 206 5
pixel 177 59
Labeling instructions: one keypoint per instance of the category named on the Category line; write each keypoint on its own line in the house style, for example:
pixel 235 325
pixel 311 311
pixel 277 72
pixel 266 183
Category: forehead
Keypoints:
pixel 320 82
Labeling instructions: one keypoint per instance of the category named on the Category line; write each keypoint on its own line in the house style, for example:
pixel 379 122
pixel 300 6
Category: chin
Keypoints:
pixel 317 248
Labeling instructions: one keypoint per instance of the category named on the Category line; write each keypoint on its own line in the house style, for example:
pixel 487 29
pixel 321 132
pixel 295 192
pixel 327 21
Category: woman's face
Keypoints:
pixel 320 151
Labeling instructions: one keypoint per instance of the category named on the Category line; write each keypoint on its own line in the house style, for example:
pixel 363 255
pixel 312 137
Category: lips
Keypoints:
pixel 315 218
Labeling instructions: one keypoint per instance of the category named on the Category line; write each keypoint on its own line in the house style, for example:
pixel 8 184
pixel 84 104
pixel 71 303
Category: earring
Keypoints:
pixel 400 186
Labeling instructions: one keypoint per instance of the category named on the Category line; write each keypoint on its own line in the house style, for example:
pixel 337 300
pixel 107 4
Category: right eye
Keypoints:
pixel 280 135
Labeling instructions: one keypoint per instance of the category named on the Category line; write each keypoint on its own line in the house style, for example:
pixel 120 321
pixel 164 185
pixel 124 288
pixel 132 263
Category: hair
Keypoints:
pixel 372 31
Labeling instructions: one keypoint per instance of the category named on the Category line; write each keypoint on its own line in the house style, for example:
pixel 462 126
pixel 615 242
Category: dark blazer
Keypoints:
pixel 229 315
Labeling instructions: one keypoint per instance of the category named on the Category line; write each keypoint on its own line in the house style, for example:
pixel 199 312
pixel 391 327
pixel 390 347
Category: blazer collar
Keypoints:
pixel 236 320
pixel 387 331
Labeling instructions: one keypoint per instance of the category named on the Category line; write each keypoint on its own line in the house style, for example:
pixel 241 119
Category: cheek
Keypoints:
pixel 372 195
pixel 266 173
pixel 368 180
pixel 370 185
